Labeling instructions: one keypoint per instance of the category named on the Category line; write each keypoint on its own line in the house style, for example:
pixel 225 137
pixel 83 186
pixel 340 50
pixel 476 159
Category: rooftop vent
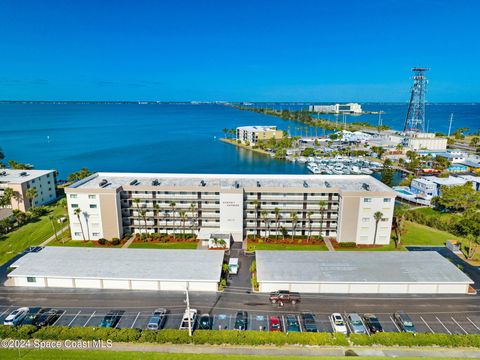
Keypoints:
pixel 134 182
pixel 203 183
pixel 327 184
pixel 365 186
pixel 103 183
pixel 3 173
pixel 258 184
pixel 305 184
pixel 155 182
pixel 237 185
pixel 23 173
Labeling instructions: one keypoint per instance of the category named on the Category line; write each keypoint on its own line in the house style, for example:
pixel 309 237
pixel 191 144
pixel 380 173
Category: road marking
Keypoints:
pixel 283 322
pixel 71 322
pixel 471 322
pixel 429 328
pixel 443 325
pixel 63 313
pixel 299 323
pixel 460 326
pixel 395 324
pixel 89 319
pixel 3 313
pixel 134 321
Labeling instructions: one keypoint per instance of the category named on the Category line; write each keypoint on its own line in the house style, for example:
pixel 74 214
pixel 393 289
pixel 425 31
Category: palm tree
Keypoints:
pixel 173 205
pixel 31 194
pixel 377 216
pixel 183 218
pixel 143 214
pixel 277 221
pixel 294 217
pixel 156 207
pixel 398 223
pixel 64 204
pixel 225 131
pixel 322 207
pixel 136 201
pixel 193 208
pixel 256 205
pixel 52 221
pixel 18 197
pixel 60 220
pixel 7 195
pixel 264 215
pixel 309 218
pixel 77 213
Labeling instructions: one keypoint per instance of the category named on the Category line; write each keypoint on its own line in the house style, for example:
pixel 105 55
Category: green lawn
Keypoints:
pixel 263 246
pixel 8 354
pixel 390 247
pixel 33 233
pixel 417 234
pixel 151 245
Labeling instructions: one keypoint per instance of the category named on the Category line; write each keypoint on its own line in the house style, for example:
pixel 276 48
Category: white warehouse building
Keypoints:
pixel 125 269
pixel 351 272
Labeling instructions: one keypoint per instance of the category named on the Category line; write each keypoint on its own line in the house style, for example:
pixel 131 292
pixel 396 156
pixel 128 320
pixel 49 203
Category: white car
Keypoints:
pixel 338 324
pixel 16 316
pixel 233 266
pixel 186 315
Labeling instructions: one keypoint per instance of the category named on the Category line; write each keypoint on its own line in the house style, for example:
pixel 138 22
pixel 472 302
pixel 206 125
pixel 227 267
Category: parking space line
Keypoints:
pixel 89 319
pixel 63 313
pixel 71 322
pixel 299 323
pixel 3 313
pixel 347 323
pixel 471 322
pixel 443 325
pixel 460 326
pixel 428 326
pixel 395 324
pixel 134 321
pixel 283 322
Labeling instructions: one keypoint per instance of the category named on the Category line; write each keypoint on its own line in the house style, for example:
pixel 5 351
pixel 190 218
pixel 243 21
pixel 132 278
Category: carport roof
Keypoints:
pixel 129 264
pixel 356 267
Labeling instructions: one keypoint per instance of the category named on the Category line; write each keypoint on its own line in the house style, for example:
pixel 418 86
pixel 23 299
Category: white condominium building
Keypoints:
pixel 350 108
pixel 253 134
pixel 22 180
pixel 343 207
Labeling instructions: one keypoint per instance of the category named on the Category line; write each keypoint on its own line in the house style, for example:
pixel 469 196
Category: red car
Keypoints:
pixel 275 324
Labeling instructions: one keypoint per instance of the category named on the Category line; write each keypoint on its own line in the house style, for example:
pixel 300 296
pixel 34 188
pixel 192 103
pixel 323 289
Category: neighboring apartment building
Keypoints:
pixel 253 134
pixel 432 185
pixel 350 108
pixel 424 141
pixel 239 205
pixel 22 180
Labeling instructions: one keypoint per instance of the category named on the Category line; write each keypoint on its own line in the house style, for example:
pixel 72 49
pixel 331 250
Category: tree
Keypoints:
pixel 193 208
pixel 309 218
pixel 377 216
pixel 7 196
pixel 256 205
pixel 79 175
pixel 31 194
pixel 277 220
pixel 156 207
pixel 398 223
pixel 294 218
pixel 173 205
pixel 183 217
pixel 459 198
pixel 469 227
pixel 18 197
pixel 264 215
pixel 322 207
pixel 225 131
pixel 143 214
pixel 387 173
pixel 52 222
pixel 77 213
pixel 59 219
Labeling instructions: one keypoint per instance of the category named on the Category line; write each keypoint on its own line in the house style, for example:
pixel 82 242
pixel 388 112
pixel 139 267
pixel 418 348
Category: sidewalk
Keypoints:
pixel 327 242
pixel 59 234
pixel 128 243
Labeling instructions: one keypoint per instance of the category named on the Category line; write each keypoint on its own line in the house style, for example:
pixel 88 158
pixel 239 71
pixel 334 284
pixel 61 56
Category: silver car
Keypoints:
pixel 356 324
pixel 16 316
pixel 157 319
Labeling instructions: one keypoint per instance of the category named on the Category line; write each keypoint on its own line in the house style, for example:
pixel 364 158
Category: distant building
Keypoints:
pixel 432 185
pixel 22 180
pixel 253 134
pixel 424 141
pixel 350 108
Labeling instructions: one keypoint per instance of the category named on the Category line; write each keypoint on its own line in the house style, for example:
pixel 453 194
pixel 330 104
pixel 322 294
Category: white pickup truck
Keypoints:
pixel 186 315
pixel 233 266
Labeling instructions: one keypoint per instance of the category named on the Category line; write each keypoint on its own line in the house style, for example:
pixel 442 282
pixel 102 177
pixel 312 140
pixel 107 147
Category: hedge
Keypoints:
pixel 232 337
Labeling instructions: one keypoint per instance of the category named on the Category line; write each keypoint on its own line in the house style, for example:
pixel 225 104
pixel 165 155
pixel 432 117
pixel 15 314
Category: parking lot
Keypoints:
pixel 447 323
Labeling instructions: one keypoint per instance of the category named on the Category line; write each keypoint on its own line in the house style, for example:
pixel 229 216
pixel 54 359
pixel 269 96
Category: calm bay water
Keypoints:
pixel 161 138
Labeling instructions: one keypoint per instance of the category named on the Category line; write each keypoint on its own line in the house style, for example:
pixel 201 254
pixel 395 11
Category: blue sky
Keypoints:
pixel 238 50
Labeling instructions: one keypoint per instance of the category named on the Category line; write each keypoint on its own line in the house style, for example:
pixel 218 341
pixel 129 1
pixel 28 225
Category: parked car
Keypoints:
pixel 292 323
pixel 32 316
pixel 48 317
pixel 233 266
pixel 338 324
pixel 205 322
pixel 188 317
pixel 16 316
pixel 241 321
pixel 274 323
pixel 111 319
pixel 404 322
pixel 284 296
pixel 356 324
pixel 157 320
pixel 309 322
pixel 373 324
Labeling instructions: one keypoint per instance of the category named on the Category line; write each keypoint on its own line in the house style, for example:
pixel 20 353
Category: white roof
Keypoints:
pixel 449 181
pixel 357 267
pixel 257 128
pixel 20 176
pixel 131 264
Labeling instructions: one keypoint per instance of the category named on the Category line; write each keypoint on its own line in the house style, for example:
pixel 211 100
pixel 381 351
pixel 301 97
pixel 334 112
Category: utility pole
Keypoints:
pixel 450 124
pixel 187 300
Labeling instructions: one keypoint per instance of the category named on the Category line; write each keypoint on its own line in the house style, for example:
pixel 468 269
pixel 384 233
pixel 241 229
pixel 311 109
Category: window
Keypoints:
pixel 387 200
pixel 73 196
pixel 365 219
pixel 363 238
pixel 367 200
pixel 93 206
pixel 95 234
pixel 384 219
pixel 77 234
pixel 31 279
pixel 92 196
pixel 74 206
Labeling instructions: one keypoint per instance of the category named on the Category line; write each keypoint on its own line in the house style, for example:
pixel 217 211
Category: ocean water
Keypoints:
pixel 162 138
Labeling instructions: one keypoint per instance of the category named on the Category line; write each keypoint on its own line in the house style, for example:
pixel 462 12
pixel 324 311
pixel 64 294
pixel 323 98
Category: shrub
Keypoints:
pixel 102 241
pixel 16 332
pixel 127 235
pixel 406 339
pixel 115 241
pixel 253 266
pixel 347 244
pixel 166 336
